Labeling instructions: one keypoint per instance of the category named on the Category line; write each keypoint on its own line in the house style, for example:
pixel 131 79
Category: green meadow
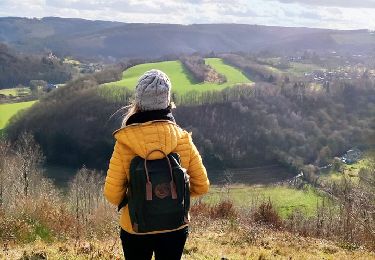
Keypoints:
pixel 9 110
pixel 299 69
pixel 285 199
pixel 350 171
pixel 182 81
pixel 15 91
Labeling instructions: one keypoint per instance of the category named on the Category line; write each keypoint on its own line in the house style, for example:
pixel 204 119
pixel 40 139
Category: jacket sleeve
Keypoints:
pixel 199 183
pixel 116 180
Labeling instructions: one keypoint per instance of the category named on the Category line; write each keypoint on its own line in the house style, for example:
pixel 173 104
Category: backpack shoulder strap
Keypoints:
pixel 123 203
pixel 175 158
pixel 133 165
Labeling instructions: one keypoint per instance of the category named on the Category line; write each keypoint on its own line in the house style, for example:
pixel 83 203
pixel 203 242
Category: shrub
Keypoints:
pixel 266 214
pixel 223 210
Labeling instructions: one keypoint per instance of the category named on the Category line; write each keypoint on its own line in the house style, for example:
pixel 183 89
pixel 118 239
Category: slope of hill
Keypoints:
pixel 182 81
pixel 209 242
pixel 17 68
pixel 41 34
pixel 9 110
pixel 84 38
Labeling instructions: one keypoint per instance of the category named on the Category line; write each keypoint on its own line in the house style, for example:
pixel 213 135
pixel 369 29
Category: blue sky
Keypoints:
pixel 338 14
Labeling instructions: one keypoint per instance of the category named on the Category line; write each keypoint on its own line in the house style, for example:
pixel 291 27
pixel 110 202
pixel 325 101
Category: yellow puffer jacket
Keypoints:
pixel 140 139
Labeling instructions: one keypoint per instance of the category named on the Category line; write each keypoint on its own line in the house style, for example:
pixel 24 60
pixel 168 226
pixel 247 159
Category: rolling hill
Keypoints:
pixel 113 40
pixel 182 81
pixel 9 110
pixel 17 68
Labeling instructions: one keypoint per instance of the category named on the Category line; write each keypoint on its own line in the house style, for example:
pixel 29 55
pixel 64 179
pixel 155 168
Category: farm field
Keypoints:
pixel 295 68
pixel 299 69
pixel 182 81
pixel 348 170
pixel 285 199
pixel 263 175
pixel 242 191
pixel 9 110
pixel 15 91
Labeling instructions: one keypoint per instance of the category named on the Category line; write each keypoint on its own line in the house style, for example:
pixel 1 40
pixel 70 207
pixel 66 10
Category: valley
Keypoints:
pixel 274 112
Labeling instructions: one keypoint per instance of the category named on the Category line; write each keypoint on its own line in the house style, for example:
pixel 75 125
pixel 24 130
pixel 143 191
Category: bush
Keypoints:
pixel 266 214
pixel 222 210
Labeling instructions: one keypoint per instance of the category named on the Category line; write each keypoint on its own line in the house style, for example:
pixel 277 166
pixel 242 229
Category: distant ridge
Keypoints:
pixel 114 40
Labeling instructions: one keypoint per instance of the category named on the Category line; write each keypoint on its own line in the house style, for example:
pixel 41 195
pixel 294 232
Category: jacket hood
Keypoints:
pixel 143 138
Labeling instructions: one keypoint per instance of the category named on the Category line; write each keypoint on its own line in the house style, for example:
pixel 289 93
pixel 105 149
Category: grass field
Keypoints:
pixel 246 194
pixel 285 199
pixel 349 170
pixel 295 68
pixel 182 81
pixel 299 69
pixel 210 242
pixel 15 91
pixel 251 176
pixel 9 110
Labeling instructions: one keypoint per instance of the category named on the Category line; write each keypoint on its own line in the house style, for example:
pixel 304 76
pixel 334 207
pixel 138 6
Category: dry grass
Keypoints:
pixel 220 231
pixel 217 231
pixel 44 223
pixel 218 239
pixel 216 243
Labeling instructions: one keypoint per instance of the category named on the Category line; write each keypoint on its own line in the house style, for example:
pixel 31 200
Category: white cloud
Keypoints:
pixel 342 14
pixel 337 3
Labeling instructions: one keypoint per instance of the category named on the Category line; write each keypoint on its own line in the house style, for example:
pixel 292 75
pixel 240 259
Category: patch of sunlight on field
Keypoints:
pixel 315 86
pixel 15 91
pixel 9 110
pixel 349 170
pixel 332 176
pixel 273 60
pixel 233 75
pixel 299 69
pixel 182 80
pixel 285 199
pixel 275 70
pixel 71 61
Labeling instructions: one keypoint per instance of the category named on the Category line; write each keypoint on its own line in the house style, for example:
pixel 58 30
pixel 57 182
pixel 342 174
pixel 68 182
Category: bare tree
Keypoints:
pixel 85 193
pixel 30 156
pixel 4 153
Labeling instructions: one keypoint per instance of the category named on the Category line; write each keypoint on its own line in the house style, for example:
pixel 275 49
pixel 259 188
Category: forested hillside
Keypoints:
pixel 16 69
pixel 289 125
pixel 244 126
pixel 106 40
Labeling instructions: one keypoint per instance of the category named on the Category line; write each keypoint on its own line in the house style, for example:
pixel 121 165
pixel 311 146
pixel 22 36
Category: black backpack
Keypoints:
pixel 158 194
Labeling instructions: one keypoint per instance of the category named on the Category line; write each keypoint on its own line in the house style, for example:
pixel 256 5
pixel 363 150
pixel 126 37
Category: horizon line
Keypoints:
pixel 181 24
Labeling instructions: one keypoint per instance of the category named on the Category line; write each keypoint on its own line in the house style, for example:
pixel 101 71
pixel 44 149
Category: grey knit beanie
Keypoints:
pixel 153 91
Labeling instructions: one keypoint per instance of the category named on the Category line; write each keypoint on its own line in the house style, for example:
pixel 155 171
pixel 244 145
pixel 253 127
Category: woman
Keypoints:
pixel 148 126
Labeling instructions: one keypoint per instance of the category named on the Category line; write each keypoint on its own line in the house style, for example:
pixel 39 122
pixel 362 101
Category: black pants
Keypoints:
pixel 167 246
